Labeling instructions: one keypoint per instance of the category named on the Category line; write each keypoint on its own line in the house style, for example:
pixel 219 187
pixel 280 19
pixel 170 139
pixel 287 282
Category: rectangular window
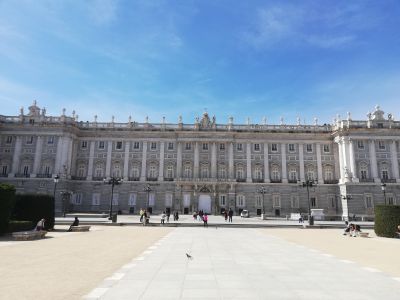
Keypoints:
pixel 168 200
pixel 368 201
pixel 256 147
pixel 313 202
pixel 205 146
pixel 9 139
pixel 84 144
pixel 152 199
pixel 136 145
pixel 294 201
pixel 222 200
pixel 239 147
pixel 29 140
pixel 77 199
pixel 360 144
pixel 26 170
pixel 118 146
pixel 132 199
pixel 188 146
pixel 274 147
pixel 222 147
pixel 381 145
pixel 96 199
pixel 331 201
pixel 276 200
pixel 186 200
pixel 258 201
pixel 291 148
pixel 4 170
pixel 170 146
pixel 390 199
pixel 153 146
pixel 101 145
pixel 309 147
pixel 240 201
pixel 326 149
pixel 50 140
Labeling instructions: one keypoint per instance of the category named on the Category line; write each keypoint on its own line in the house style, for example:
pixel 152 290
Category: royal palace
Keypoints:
pixel 343 168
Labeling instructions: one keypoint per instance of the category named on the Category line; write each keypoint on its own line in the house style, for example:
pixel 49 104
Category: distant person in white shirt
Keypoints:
pixel 40 225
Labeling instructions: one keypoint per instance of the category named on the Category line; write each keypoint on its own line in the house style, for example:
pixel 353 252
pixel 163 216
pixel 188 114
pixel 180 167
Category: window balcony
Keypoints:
pixel 133 178
pixel 331 181
pixel 240 179
pixel 292 181
pixel 276 180
pixel 258 180
pixel 151 178
pixel 168 179
pixel 19 175
pixel 366 180
pixel 389 180
pixel 43 175
pixel 78 178
pixel 97 178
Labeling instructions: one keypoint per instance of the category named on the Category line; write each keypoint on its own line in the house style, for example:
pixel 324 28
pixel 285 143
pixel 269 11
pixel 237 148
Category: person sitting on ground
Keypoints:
pixel 75 223
pixel 354 230
pixel 347 228
pixel 40 225
pixel 398 231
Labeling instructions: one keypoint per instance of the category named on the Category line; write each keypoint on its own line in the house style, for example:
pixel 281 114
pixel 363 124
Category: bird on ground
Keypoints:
pixel 189 256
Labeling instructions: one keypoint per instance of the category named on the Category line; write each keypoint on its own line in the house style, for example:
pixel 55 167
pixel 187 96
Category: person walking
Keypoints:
pixel 163 216
pixel 168 215
pixel 226 215
pixel 176 216
pixel 75 223
pixel 141 215
pixel 230 214
pixel 205 220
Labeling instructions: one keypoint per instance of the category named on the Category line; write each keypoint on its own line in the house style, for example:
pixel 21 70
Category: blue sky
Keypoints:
pixel 168 58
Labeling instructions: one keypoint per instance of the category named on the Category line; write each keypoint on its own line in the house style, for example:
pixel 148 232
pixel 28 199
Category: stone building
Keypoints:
pixel 204 165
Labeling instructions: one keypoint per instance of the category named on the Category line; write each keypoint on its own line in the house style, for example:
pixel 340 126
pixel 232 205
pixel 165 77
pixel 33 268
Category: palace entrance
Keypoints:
pixel 205 203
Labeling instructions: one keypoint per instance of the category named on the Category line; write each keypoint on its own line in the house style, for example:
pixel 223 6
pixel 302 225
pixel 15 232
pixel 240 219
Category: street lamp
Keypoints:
pixel 262 191
pixel 347 197
pixel 65 196
pixel 383 186
pixel 56 179
pixel 307 184
pixel 113 181
pixel 148 190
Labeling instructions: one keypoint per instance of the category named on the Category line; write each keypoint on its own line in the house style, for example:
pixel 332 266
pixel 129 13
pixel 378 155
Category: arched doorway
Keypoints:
pixel 205 203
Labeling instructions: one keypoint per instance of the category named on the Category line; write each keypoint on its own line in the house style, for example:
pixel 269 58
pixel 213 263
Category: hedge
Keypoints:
pixel 7 200
pixel 32 207
pixel 20 226
pixel 387 218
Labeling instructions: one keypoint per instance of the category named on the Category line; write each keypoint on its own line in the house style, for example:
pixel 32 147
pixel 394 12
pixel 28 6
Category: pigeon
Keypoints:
pixel 189 256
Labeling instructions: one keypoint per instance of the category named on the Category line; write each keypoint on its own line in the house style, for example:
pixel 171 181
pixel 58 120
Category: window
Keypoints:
pixel 116 171
pixel 9 139
pixel 291 148
pixel 50 140
pixel 26 170
pixel 222 200
pixel 313 202
pixel 168 200
pixel 222 147
pixel 101 145
pixel 294 201
pixel 132 199
pixel 77 199
pixel 187 172
pixel 29 140
pixel 4 170
pixel 292 174
pixel 328 173
pixel 310 173
pixel 275 173
pixel 188 146
pixel 170 172
pixel 204 172
pixel 96 199
pixel 152 171
pixel 276 200
pixel 186 200
pixel 384 172
pixel 135 172
pixel 136 145
pixel 222 172
pixel 368 201
pixel 240 201
pixel 390 199
pixel 118 146
pixel 274 147
pixel 363 171
pixel 381 145
pixel 170 146
pixel 153 146
pixel 99 172
pixel 239 172
pixel 256 147
pixel 47 170
pixel 239 147
pixel 258 201
pixel 360 144
pixel 309 147
pixel 331 201
pixel 152 199
pixel 115 198
pixel 326 149
pixel 258 173
pixel 205 146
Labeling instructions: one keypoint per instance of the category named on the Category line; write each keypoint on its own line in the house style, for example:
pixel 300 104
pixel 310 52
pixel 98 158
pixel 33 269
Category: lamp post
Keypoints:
pixel 347 197
pixel 148 190
pixel 262 191
pixel 307 184
pixel 113 181
pixel 65 195
pixel 56 179
pixel 383 186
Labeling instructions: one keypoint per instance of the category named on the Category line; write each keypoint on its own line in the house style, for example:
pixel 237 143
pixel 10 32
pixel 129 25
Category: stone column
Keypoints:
pixel 16 157
pixel 319 164
pixel 38 156
pixel 161 165
pixel 337 161
pixel 60 145
pixel 108 161
pixel 372 159
pixel 341 160
pixel 230 164
pixel 213 160
pixel 144 162
pixel 248 163
pixel 91 160
pixel 394 160
pixel 345 160
pixel 179 161
pixel 266 164
pixel 126 161
pixel 284 167
pixel 196 160
pixel 69 158
pixel 301 162
pixel 352 161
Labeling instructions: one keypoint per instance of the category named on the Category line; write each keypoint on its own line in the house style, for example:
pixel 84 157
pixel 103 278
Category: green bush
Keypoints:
pixel 7 200
pixel 20 226
pixel 387 218
pixel 33 207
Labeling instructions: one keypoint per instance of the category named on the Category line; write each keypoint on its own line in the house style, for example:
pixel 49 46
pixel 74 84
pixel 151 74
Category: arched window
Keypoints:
pixel 153 171
pixel 239 172
pixel 116 171
pixel 328 173
pixel 187 172
pixel 310 174
pixel 363 171
pixel 81 171
pixel 384 171
pixel 222 172
pixel 275 174
pixel 99 171
pixel 204 171
pixel 170 172
pixel 135 172
pixel 258 174
pixel 292 173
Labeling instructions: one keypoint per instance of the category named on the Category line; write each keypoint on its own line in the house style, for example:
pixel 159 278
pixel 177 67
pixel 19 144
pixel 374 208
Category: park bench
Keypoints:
pixel 28 235
pixel 80 228
pixel 363 234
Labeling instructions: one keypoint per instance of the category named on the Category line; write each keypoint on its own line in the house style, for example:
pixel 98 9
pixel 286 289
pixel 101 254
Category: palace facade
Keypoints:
pixel 204 165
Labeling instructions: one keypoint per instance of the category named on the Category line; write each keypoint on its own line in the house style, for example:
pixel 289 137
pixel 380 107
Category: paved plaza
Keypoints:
pixel 131 262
